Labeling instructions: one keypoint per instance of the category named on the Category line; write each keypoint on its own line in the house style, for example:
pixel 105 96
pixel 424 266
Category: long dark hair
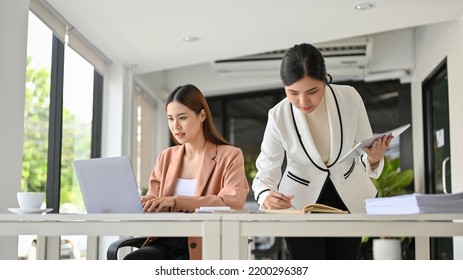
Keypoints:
pixel 303 60
pixel 192 97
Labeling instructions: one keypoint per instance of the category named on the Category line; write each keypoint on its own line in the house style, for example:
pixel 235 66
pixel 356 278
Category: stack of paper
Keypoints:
pixel 416 203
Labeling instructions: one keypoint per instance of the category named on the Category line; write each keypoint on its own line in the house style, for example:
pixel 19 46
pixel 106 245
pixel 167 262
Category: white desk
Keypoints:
pixel 237 227
pixel 225 235
pixel 159 224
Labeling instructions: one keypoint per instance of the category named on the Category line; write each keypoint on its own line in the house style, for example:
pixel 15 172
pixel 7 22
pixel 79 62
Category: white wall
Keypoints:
pixel 208 81
pixel 13 53
pixel 433 44
pixel 392 50
pixel 113 104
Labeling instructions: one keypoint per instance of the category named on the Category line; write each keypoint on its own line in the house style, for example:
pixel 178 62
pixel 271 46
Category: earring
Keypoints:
pixel 329 78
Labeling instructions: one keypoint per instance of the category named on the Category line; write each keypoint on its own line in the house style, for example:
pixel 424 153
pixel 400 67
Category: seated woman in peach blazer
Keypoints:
pixel 201 170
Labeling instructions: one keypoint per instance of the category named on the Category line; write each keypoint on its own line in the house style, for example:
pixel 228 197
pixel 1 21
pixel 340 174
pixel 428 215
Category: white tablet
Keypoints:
pixel 358 149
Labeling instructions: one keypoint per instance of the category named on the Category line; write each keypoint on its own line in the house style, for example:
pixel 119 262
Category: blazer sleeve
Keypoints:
pixel 269 161
pixel 363 132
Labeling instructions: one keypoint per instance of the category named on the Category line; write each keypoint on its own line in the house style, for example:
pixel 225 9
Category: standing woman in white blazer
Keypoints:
pixel 306 135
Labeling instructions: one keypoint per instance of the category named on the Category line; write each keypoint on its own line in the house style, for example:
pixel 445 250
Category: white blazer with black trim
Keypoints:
pixel 287 133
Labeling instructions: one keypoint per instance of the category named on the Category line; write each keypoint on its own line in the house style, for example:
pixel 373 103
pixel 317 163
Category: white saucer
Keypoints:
pixel 30 211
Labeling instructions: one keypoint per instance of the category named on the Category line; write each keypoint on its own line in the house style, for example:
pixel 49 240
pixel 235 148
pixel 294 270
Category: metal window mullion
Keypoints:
pixel 97 119
pixel 55 130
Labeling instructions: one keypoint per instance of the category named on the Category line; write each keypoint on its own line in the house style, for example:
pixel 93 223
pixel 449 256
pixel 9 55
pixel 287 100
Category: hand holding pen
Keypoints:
pixel 277 200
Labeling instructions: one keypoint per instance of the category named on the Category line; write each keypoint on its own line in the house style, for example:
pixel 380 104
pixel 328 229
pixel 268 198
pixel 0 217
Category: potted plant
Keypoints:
pixel 393 181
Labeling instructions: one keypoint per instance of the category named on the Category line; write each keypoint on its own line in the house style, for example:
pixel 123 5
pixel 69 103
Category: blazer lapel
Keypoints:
pixel 335 126
pixel 172 171
pixel 206 168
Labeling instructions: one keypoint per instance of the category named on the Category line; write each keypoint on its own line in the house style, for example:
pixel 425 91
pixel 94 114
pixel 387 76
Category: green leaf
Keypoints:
pixel 392 181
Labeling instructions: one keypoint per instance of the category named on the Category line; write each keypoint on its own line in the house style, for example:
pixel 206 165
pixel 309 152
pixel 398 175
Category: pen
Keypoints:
pixel 262 181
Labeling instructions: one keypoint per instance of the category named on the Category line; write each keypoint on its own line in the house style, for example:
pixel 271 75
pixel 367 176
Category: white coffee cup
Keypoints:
pixel 30 200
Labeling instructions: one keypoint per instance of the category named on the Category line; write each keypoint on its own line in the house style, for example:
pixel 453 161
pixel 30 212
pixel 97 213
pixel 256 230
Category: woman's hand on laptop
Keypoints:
pixel 157 204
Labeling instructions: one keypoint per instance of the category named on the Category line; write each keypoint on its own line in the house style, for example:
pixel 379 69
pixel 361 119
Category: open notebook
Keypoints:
pixel 108 185
pixel 310 208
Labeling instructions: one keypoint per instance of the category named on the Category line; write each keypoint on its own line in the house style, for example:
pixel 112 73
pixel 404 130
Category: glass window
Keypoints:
pixel 36 120
pixel 77 127
pixel 77 134
pixel 37 103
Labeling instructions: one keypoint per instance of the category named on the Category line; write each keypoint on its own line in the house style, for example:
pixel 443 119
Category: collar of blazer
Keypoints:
pixel 336 132
pixel 207 166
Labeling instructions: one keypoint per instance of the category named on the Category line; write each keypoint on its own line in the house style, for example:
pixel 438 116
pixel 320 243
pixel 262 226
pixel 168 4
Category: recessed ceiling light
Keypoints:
pixel 364 6
pixel 190 39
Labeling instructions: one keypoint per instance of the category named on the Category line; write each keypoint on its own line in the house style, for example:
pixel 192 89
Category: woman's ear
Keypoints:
pixel 202 114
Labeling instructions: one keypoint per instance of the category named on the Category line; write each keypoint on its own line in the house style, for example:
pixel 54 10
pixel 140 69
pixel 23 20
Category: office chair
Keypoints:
pixel 276 251
pixel 113 249
pixel 137 242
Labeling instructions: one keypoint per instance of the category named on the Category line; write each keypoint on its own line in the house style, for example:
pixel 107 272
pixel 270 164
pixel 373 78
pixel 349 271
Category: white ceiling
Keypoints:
pixel 148 33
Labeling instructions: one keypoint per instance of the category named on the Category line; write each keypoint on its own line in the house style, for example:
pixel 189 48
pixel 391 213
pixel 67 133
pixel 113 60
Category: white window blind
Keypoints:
pixel 75 40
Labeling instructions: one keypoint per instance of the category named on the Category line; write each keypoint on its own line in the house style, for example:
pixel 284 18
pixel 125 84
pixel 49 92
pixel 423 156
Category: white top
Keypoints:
pixel 320 129
pixel 185 186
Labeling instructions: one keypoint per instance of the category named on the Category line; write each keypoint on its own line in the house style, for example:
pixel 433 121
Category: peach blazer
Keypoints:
pixel 222 182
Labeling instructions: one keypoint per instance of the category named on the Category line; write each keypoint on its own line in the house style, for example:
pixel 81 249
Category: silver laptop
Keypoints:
pixel 108 185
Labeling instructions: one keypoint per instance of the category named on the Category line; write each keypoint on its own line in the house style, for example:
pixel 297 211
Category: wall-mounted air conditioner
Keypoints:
pixel 344 60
